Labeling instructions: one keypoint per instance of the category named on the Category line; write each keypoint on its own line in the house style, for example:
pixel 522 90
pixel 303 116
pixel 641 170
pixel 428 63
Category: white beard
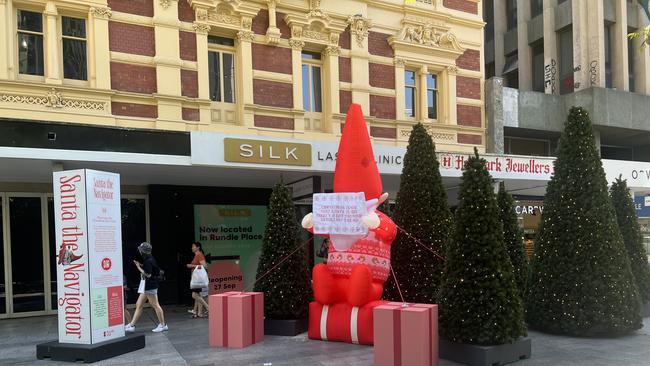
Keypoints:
pixel 344 242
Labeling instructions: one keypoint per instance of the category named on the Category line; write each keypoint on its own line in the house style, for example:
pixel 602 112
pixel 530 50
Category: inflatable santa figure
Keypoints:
pixel 357 266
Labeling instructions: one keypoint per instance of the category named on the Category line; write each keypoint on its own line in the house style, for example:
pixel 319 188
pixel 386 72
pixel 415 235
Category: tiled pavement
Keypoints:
pixel 186 344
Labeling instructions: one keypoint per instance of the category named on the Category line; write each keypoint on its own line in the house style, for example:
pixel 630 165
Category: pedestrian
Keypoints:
pixel 148 289
pixel 197 293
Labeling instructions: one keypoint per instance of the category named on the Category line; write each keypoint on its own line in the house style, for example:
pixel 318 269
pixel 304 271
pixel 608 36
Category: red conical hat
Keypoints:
pixel 356 170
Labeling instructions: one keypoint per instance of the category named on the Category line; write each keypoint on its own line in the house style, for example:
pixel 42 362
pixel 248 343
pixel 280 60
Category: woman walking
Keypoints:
pixel 148 290
pixel 199 302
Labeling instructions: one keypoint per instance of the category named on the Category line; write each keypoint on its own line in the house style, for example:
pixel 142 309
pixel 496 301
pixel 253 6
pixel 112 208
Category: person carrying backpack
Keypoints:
pixel 148 289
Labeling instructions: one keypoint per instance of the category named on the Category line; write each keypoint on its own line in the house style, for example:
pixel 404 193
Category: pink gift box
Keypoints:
pixel 406 335
pixel 236 319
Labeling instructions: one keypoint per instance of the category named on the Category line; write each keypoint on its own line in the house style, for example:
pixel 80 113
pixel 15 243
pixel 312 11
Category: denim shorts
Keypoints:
pixel 151 292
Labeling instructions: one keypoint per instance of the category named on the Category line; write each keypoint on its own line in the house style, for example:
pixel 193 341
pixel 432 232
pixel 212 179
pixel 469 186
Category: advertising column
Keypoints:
pixel 89 260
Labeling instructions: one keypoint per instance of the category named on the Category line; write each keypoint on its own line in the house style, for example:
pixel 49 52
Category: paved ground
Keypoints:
pixel 186 343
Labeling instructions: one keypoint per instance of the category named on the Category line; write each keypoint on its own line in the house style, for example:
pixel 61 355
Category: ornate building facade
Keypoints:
pixel 286 68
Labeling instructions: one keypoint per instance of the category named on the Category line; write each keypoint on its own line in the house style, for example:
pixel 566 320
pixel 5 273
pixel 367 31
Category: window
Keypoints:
pixel 410 93
pixel 608 56
pixel 631 54
pixel 511 14
pixel 566 61
pixel 312 100
pixel 511 70
pixel 536 7
pixel 221 70
pixel 30 43
pixel 432 96
pixel 488 18
pixel 73 31
pixel 524 146
pixel 538 67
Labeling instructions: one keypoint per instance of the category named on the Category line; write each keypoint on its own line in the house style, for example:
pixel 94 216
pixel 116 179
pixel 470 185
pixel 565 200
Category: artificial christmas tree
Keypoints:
pixel 479 301
pixel 513 237
pixel 581 283
pixel 422 211
pixel 287 289
pixel 632 237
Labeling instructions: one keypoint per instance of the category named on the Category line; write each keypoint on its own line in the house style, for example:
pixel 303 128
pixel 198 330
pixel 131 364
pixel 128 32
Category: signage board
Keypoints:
pixel 266 152
pixel 642 205
pixel 89 260
pixel 339 213
pixel 305 187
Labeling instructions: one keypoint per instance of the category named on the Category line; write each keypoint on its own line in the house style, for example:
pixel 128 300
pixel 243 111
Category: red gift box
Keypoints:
pixel 236 319
pixel 406 335
pixel 342 322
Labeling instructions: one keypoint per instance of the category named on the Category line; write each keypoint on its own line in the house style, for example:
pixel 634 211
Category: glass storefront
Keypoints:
pixel 529 215
pixel 28 257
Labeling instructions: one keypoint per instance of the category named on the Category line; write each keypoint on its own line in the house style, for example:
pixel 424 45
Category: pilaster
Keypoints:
pixel 551 70
pixel 523 49
pixel 296 70
pixel 620 71
pixel 641 59
pixel 359 67
pixel 202 68
pixel 331 103
pixel 449 110
pixel 500 29
pixel 245 67
pixel 273 32
pixel 400 96
pixel 422 103
pixel 98 48
pixel 51 45
pixel 4 32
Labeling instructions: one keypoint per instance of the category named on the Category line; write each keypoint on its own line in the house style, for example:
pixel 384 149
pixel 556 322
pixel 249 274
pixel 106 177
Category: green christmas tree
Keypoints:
pixel 581 283
pixel 422 211
pixel 632 237
pixel 287 288
pixel 479 300
pixel 513 238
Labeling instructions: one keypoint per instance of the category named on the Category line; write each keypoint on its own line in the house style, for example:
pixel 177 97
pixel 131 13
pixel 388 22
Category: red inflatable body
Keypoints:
pixel 354 278
pixel 342 322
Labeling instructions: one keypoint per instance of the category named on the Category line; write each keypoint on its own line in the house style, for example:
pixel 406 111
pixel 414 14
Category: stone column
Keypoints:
pixel 620 71
pixel 524 54
pixel 360 57
pixel 168 63
pixel 51 51
pixel 449 109
pixel 588 44
pixel 244 64
pixel 422 103
pixel 494 114
pixel 331 103
pixel 500 28
pixel 273 32
pixel 99 61
pixel 202 68
pixel 551 71
pixel 296 70
pixel 400 103
pixel 5 54
pixel 641 60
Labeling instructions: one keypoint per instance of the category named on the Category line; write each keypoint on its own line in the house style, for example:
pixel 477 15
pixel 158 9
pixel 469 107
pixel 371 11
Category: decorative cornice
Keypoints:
pixel 452 69
pixel 53 99
pixel 201 14
pixel 399 62
pixel 224 18
pixel 296 44
pixel 201 28
pixel 359 27
pixel 103 13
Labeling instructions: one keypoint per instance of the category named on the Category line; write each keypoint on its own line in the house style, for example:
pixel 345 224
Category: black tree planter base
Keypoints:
pixel 475 355
pixel 289 327
pixel 90 353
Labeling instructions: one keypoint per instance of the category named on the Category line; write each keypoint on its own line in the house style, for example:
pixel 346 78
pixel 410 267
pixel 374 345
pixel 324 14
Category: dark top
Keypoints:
pixel 152 271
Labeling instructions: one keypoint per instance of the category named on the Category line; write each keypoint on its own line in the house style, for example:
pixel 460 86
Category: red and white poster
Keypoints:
pixel 89 261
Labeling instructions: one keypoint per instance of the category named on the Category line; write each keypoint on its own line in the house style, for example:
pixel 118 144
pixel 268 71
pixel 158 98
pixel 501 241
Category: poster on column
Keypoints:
pixel 230 231
pixel 89 256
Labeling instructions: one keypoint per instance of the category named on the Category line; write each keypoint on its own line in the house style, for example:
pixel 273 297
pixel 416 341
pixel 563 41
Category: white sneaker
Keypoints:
pixel 191 311
pixel 129 328
pixel 160 328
